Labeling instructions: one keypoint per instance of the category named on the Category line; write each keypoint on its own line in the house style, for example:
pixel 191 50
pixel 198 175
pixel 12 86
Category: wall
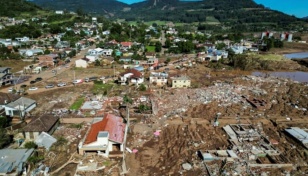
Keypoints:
pixel 180 83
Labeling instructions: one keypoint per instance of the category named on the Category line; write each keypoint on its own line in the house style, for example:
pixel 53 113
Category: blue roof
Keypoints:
pixel 139 68
pixel 13 158
pixel 298 133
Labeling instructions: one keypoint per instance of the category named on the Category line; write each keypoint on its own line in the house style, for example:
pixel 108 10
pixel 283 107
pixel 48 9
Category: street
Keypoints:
pixel 47 74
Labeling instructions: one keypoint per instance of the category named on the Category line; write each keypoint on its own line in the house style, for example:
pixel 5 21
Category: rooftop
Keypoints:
pixel 136 73
pixel 11 159
pixel 112 124
pixel 42 123
pixel 2 69
pixel 181 78
pixel 21 103
pixel 299 134
pixel 7 97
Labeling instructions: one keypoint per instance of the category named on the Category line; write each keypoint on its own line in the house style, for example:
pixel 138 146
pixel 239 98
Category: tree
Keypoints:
pixel 30 145
pixel 167 60
pixel 47 51
pixel 142 87
pixel 168 43
pixel 220 46
pixel 35 159
pixel 158 47
pixel 97 63
pixel 5 139
pixel 143 108
pixel 3 122
pixel 127 99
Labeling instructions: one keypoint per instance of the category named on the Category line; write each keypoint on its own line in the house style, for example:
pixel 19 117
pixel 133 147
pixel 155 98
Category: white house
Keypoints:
pixel 180 82
pixel 95 52
pixel 92 58
pixel 30 52
pixel 23 39
pixel 131 76
pixel 19 107
pixel 159 78
pixel 59 12
pixel 81 63
pixel 106 32
pixel 105 135
pixel 107 52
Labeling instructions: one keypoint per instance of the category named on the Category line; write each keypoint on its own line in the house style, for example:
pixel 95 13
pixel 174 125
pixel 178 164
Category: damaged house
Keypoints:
pixel 105 136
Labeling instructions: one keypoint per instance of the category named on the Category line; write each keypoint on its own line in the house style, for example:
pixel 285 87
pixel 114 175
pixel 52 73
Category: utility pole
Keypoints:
pixel 125 136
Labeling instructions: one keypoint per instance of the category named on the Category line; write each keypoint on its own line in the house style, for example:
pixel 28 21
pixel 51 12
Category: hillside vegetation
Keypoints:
pixel 243 15
pixel 13 8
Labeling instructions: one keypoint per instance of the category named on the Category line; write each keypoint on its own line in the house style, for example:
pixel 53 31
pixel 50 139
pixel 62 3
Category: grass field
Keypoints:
pixel 16 65
pixel 273 57
pixel 150 48
pixel 77 104
pixel 100 88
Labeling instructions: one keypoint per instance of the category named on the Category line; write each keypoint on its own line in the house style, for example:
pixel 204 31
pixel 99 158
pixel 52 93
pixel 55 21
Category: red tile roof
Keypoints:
pixel 127 44
pixel 136 73
pixel 111 123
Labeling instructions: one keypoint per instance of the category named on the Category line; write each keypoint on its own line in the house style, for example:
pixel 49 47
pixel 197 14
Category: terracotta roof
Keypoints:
pixel 42 123
pixel 111 123
pixel 8 97
pixel 136 73
pixel 126 44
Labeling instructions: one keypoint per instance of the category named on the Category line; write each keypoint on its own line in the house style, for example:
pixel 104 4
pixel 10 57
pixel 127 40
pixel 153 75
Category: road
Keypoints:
pixel 47 74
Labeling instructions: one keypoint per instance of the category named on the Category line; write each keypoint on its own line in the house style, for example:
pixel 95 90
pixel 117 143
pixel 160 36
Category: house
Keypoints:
pixel 48 60
pixel 62 44
pixel 92 59
pixel 104 136
pixel 125 60
pixel 159 78
pixel 81 63
pixel 19 107
pixel 118 53
pixel 45 140
pixel 14 161
pixel 150 55
pixel 95 52
pixel 22 39
pixel 5 76
pixel 107 52
pixel 106 32
pixel 59 12
pixel 6 98
pixel 182 81
pixel 30 52
pixel 94 19
pixel 44 123
pixel 126 45
pixel 131 76
pixel 238 49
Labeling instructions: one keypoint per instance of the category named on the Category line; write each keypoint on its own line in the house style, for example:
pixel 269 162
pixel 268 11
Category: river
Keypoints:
pixel 297 55
pixel 295 76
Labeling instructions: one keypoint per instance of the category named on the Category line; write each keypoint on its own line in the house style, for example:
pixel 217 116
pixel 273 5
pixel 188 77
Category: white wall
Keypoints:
pixel 81 63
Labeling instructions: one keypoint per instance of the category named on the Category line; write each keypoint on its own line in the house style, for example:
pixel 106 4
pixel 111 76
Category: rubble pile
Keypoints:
pixel 71 134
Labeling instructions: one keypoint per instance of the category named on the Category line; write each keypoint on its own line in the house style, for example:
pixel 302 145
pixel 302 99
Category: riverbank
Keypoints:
pixel 289 48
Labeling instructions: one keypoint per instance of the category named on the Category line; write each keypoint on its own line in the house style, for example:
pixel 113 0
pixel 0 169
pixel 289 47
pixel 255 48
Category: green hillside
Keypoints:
pixel 13 8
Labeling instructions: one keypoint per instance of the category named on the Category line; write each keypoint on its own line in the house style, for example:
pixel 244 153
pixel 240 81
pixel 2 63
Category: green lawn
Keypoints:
pixel 150 48
pixel 100 88
pixel 274 57
pixel 77 104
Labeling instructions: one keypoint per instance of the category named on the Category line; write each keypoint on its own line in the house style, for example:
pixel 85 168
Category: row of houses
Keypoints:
pixel 133 76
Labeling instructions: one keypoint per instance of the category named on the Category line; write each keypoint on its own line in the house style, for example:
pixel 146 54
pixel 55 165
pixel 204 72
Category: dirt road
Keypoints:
pixel 48 74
